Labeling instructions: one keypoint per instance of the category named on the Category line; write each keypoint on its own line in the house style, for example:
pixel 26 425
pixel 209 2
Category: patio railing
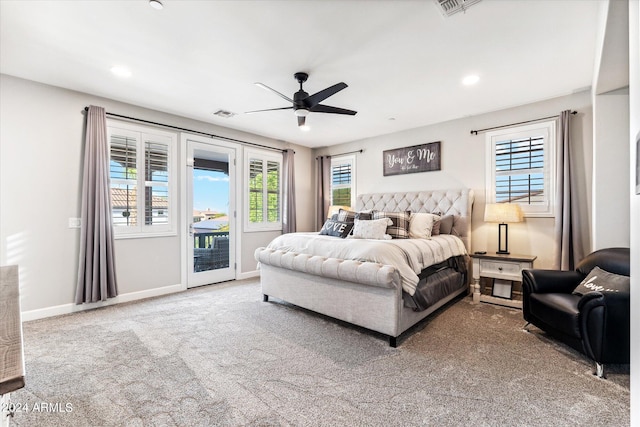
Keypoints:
pixel 206 240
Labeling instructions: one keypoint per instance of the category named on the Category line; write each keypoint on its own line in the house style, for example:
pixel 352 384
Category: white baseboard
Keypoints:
pixel 58 310
pixel 248 275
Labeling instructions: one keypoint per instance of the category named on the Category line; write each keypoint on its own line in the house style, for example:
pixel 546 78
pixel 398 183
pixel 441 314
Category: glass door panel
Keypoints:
pixel 210 242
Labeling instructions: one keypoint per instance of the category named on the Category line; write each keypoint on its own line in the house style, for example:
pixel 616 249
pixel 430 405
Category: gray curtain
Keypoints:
pixel 96 266
pixel 289 220
pixel 323 181
pixel 568 240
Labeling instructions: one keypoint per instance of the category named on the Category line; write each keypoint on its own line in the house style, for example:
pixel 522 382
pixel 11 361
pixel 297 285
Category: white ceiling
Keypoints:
pixel 403 60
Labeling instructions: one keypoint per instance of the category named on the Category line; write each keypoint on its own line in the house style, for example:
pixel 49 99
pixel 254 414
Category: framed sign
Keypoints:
pixel 418 158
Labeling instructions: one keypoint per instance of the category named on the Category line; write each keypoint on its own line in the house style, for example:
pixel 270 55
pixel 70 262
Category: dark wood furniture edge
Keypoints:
pixel 510 257
pixel 12 384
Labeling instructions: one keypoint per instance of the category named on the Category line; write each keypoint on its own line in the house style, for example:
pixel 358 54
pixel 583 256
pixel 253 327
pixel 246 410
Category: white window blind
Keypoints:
pixel 256 181
pixel 520 170
pixel 124 180
pixel 273 191
pixel 141 180
pixel 264 195
pixel 156 166
pixel 521 167
pixel 342 181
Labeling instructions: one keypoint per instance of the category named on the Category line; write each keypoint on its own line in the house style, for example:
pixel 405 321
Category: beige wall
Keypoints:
pixel 610 180
pixel 463 164
pixel 41 137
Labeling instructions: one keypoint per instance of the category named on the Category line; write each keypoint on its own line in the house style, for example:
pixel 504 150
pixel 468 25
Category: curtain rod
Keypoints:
pixel 475 132
pixel 210 135
pixel 343 154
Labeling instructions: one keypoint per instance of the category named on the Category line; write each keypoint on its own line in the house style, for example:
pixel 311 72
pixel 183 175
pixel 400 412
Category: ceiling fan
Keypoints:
pixel 302 103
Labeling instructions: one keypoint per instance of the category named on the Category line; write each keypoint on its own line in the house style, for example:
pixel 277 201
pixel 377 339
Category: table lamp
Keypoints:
pixel 503 213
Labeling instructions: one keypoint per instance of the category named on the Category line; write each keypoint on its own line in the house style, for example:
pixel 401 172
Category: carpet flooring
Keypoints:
pixel 219 356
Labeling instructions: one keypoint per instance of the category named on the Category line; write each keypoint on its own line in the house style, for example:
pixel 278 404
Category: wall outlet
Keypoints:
pixel 74 222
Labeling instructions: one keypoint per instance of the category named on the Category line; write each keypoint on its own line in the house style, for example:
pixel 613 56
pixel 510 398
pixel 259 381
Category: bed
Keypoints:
pixel 374 292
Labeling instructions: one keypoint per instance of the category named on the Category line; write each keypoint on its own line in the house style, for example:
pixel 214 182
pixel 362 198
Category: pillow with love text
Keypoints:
pixel 336 228
pixel 602 281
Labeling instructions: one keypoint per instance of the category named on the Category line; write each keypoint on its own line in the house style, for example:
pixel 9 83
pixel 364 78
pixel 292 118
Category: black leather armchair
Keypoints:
pixel 596 323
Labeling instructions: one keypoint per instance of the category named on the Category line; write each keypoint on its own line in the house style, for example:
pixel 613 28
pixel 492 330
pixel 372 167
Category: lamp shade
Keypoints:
pixel 334 209
pixel 503 213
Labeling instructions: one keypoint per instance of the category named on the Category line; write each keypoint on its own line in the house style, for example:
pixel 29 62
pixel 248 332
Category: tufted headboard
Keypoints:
pixel 446 202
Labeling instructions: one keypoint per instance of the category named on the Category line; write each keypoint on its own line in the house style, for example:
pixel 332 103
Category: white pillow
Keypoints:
pixel 421 224
pixel 371 229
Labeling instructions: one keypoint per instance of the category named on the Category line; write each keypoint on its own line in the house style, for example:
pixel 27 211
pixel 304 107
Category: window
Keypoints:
pixel 343 192
pixel 264 195
pixel 522 167
pixel 141 180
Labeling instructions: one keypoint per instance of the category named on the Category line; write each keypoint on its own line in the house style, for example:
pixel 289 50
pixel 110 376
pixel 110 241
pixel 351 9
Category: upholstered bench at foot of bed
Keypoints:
pixel 367 273
pixel 365 294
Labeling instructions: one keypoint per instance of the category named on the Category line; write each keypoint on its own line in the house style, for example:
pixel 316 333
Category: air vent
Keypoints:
pixel 449 7
pixel 224 114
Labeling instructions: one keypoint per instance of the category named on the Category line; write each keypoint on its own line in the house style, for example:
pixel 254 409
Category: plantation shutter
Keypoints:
pixel 519 171
pixel 255 191
pixel 123 174
pixel 264 193
pixel 273 191
pixel 341 184
pixel 156 165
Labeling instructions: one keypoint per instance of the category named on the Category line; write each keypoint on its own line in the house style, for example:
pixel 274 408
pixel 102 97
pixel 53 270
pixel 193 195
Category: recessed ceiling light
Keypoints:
pixel 121 71
pixel 304 128
pixel 470 80
pixel 156 4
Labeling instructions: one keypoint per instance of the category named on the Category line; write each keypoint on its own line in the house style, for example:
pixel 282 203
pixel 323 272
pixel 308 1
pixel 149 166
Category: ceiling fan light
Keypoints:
pixel 301 112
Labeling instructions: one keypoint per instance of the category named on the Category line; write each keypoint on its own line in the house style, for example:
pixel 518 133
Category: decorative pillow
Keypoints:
pixel 602 281
pixel 372 229
pixel 421 225
pixel 346 216
pixel 349 216
pixel 435 230
pixel 443 226
pixel 366 215
pixel 400 227
pixel 336 228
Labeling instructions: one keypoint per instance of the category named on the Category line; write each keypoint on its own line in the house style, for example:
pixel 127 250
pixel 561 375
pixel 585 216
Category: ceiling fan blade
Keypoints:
pixel 301 120
pixel 264 86
pixel 328 109
pixel 269 109
pixel 315 99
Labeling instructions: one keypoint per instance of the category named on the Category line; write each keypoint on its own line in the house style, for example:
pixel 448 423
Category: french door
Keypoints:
pixel 210 213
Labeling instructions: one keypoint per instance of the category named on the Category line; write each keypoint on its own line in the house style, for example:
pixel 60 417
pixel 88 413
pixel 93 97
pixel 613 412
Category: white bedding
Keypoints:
pixel 409 256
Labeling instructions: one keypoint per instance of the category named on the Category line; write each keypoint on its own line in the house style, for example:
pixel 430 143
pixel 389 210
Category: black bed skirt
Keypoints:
pixel 437 282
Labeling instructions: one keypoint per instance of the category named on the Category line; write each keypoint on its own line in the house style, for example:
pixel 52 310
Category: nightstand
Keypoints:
pixel 503 269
